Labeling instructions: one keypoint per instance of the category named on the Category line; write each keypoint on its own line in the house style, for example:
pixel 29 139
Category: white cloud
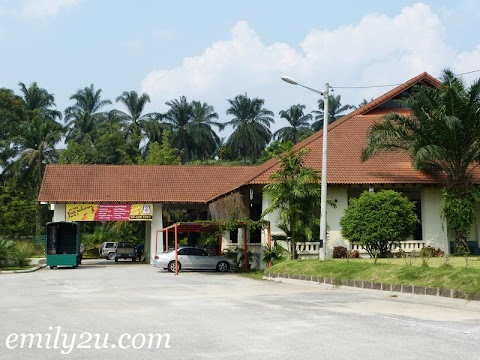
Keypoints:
pixel 46 8
pixel 468 61
pixel 377 50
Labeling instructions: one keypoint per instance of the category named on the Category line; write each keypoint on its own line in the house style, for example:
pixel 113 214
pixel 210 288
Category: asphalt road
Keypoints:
pixel 104 310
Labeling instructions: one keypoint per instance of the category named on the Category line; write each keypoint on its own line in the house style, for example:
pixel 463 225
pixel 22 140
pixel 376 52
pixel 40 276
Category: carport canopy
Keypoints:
pixel 205 226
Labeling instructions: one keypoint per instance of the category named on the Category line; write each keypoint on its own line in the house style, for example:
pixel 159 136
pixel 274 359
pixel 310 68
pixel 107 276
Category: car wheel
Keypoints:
pixel 171 266
pixel 111 256
pixel 52 267
pixel 223 266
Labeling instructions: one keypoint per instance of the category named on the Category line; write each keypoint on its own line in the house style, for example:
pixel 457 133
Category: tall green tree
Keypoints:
pixel 207 141
pixel 294 190
pixel 190 124
pixel 442 137
pixel 153 130
pixel 36 146
pixel 11 115
pixel 162 154
pixel 35 98
pixel 335 111
pixel 83 118
pixel 299 124
pixel 251 127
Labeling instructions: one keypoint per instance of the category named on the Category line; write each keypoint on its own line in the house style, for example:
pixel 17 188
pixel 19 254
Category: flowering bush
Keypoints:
pixel 340 252
pixel 354 254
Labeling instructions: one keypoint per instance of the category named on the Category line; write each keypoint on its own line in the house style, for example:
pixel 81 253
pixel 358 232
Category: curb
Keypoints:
pixel 406 289
pixel 32 269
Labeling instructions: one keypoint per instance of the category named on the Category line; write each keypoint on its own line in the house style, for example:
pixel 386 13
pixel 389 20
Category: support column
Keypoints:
pixel 156 240
pixel 59 212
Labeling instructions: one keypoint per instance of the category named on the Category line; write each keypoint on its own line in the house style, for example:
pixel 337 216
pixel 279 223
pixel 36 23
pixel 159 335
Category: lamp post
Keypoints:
pixel 323 201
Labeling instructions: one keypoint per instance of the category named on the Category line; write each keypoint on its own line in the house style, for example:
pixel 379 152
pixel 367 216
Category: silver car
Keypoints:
pixel 192 258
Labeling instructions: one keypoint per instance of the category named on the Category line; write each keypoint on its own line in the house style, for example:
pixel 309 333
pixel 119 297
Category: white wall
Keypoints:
pixel 59 212
pixel 272 217
pixel 334 237
pixel 156 237
pixel 434 232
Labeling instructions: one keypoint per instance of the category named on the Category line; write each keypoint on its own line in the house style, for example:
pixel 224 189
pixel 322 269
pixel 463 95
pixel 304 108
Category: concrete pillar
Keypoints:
pixel 59 212
pixel 155 240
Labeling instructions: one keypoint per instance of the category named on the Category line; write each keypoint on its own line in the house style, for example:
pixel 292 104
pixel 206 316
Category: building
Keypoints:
pixel 197 188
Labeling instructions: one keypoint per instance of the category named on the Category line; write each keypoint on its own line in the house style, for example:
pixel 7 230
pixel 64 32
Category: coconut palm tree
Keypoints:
pixel 441 136
pixel 335 111
pixel 83 117
pixel 298 121
pixel 251 127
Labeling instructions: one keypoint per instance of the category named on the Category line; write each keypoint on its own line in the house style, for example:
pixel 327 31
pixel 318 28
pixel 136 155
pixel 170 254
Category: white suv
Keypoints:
pixel 108 250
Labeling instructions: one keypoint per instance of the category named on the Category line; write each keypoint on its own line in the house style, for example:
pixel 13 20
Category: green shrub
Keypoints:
pixel 7 247
pixel 22 253
pixel 378 220
pixel 273 253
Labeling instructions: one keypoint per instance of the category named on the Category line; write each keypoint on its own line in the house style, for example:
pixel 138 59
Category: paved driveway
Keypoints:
pixel 113 311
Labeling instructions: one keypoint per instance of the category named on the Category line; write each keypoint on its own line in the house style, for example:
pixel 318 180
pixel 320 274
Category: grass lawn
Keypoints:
pixel 11 268
pixel 458 274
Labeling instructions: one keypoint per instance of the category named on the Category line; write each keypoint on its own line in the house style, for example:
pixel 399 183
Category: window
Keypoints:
pixel 199 252
pixel 234 236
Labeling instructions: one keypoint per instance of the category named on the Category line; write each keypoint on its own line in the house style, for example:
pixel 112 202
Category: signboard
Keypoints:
pixel 109 212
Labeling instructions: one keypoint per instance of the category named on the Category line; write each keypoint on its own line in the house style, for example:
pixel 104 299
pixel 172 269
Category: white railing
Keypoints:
pixel 308 250
pixel 407 246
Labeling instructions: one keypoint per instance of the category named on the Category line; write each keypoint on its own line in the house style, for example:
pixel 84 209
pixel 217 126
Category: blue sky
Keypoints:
pixel 213 50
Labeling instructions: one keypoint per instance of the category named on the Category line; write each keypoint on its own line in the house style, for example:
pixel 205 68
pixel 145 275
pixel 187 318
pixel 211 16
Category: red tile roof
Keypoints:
pixel 202 184
pixel 139 183
pixel 346 139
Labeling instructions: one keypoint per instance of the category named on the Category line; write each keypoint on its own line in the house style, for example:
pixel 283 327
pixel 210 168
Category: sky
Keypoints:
pixel 214 50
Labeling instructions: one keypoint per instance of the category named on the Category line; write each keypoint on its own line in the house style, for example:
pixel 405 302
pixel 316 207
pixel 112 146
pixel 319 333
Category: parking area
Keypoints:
pixel 210 315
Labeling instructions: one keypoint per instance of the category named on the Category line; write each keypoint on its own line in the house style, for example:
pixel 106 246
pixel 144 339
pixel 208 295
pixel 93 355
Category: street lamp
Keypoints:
pixel 323 200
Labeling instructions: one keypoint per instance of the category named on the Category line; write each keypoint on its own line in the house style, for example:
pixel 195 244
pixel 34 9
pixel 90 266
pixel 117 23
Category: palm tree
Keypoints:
pixel 298 121
pixel 335 111
pixel 35 98
pixel 441 136
pixel 36 146
pixel 207 141
pixel 179 118
pixel 190 124
pixel 251 125
pixel 295 192
pixel 133 119
pixel 11 115
pixel 83 117
pixel 153 132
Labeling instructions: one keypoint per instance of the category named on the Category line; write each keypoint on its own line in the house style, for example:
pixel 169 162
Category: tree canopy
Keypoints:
pixel 441 136
pixel 378 220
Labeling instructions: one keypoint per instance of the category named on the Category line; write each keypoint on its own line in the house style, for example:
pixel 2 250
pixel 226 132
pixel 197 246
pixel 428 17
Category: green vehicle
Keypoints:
pixel 63 244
